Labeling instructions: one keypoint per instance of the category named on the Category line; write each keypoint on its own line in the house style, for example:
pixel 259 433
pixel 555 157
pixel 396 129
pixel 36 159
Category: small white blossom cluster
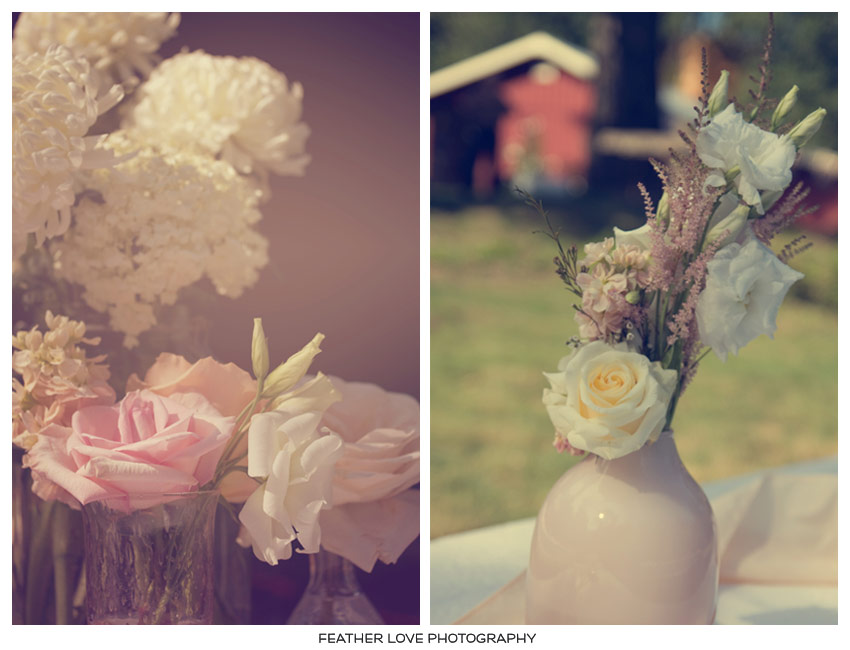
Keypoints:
pixel 56 377
pixel 118 45
pixel 240 110
pixel 54 103
pixel 163 220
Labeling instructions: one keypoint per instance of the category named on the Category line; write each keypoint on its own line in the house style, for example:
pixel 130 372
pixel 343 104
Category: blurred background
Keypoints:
pixel 569 107
pixel 343 239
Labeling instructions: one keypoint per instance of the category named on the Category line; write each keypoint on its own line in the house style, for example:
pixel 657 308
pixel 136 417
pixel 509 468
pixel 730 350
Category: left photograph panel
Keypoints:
pixel 215 318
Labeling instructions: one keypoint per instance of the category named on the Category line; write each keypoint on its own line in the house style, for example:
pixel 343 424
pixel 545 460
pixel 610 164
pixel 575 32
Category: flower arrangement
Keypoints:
pixel 133 179
pixel 697 277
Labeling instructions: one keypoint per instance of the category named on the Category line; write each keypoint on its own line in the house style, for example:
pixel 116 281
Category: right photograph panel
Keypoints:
pixel 634 291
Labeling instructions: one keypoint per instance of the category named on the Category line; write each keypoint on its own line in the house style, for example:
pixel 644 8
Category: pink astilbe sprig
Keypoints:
pixel 783 214
pixel 683 323
pixel 691 203
pixel 792 248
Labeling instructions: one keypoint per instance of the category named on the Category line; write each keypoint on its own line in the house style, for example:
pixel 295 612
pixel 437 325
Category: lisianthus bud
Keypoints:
pixel 663 211
pixel 259 350
pixel 731 224
pixel 719 98
pixel 289 373
pixel 784 107
pixel 633 297
pixel 804 131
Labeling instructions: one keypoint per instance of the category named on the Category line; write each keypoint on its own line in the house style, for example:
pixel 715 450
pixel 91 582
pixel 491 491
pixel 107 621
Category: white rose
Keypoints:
pixel 745 285
pixel 298 465
pixel 607 400
pixel 763 158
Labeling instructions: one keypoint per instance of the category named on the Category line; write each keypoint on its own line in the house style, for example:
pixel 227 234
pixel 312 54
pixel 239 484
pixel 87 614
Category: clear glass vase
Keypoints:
pixel 152 565
pixel 333 595
pixel 624 541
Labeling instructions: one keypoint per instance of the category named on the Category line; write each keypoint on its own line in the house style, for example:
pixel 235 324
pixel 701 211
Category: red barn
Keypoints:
pixel 520 113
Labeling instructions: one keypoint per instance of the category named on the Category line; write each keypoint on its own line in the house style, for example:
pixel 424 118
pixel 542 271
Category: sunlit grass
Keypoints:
pixel 500 317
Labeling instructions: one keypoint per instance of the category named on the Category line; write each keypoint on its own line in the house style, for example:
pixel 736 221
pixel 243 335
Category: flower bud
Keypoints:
pixel 259 350
pixel 784 107
pixel 663 211
pixel 731 224
pixel 633 297
pixel 804 131
pixel 290 372
pixel 719 98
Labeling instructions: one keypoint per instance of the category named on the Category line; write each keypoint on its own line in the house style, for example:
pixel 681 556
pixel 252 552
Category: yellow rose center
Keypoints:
pixel 611 382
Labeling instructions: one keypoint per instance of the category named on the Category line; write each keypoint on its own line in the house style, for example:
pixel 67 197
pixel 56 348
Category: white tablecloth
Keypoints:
pixel 468 568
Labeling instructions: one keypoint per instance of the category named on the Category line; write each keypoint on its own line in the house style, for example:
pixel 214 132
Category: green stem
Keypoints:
pixel 38 567
pixel 61 576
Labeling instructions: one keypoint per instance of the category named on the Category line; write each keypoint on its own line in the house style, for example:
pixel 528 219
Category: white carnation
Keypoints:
pixel 117 45
pixel 156 223
pixel 763 158
pixel 745 286
pixel 54 103
pixel 239 109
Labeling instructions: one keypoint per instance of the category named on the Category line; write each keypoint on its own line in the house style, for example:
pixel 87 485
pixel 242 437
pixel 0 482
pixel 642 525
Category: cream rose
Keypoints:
pixel 607 400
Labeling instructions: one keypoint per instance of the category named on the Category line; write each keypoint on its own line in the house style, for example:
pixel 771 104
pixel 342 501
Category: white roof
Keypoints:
pixel 535 46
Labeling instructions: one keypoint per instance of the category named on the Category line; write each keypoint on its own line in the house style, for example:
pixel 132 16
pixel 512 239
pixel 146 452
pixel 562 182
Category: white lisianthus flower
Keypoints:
pixel 239 109
pixel 116 44
pixel 639 237
pixel 163 219
pixel 764 159
pixel 54 104
pixel 744 287
pixel 607 400
pixel 297 465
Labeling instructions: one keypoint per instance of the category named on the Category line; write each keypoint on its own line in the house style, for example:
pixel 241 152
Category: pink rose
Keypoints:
pixel 374 516
pixel 227 387
pixel 381 435
pixel 145 445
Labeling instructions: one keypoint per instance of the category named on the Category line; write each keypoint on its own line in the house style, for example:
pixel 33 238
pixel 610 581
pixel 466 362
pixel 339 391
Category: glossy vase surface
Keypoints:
pixel 333 595
pixel 624 541
pixel 152 565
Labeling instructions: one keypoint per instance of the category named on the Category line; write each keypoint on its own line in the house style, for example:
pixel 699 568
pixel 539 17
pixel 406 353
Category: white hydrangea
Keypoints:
pixel 54 104
pixel 117 45
pixel 156 223
pixel 241 110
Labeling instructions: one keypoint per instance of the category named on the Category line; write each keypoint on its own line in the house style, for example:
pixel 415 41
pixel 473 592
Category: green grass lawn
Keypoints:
pixel 500 317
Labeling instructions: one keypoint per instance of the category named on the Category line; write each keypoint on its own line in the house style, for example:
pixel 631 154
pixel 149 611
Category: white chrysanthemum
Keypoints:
pixel 241 110
pixel 117 45
pixel 54 103
pixel 164 219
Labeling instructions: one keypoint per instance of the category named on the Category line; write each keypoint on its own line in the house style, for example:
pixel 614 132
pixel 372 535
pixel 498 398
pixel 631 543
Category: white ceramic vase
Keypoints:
pixel 624 541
